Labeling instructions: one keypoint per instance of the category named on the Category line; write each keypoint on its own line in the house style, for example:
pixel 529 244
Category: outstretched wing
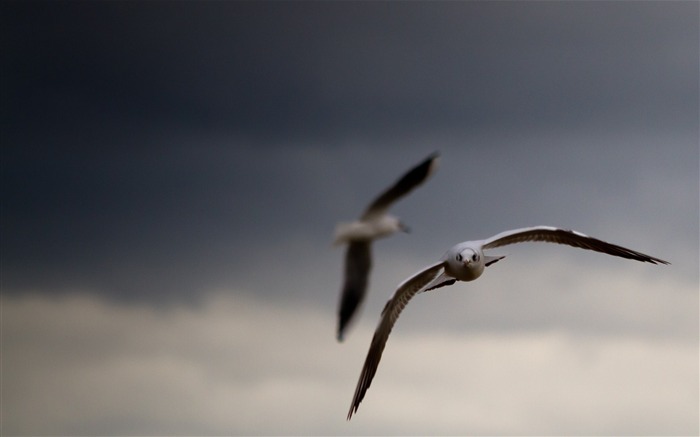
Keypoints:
pixel 390 314
pixel 414 177
pixel 358 262
pixel 568 237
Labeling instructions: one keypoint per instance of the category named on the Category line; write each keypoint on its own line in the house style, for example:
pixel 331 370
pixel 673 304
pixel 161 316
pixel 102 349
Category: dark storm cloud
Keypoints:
pixel 153 146
pixel 309 68
pixel 163 220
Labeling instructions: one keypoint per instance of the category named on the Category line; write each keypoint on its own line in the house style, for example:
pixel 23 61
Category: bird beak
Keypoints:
pixel 404 228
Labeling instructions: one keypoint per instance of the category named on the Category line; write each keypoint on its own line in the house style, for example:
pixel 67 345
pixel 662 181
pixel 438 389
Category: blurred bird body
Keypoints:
pixel 366 230
pixel 374 223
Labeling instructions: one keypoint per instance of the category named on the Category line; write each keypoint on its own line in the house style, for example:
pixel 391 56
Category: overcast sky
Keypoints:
pixel 172 173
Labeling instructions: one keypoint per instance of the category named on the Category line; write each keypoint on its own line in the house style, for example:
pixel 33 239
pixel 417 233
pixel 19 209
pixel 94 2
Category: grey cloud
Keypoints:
pixel 98 368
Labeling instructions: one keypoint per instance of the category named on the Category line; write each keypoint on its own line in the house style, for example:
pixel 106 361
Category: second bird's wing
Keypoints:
pixel 358 262
pixel 414 177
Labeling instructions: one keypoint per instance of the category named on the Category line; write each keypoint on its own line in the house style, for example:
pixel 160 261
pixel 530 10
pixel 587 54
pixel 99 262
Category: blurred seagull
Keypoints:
pixel 466 262
pixel 374 223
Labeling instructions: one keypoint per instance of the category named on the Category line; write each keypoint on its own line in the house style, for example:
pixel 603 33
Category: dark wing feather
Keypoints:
pixel 390 314
pixel 358 262
pixel 414 177
pixel 442 280
pixel 568 237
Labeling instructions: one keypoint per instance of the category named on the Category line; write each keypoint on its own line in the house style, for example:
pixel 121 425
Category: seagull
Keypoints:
pixel 466 262
pixel 374 223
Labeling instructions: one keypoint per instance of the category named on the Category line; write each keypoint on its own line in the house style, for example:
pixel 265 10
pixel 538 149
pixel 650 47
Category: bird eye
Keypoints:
pixel 459 257
pixel 475 257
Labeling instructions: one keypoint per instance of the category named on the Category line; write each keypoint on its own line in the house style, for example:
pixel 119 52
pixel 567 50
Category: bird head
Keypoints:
pixel 465 263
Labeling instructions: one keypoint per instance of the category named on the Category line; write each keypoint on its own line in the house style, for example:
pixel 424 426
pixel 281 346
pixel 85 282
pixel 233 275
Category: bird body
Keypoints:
pixel 467 261
pixel 375 228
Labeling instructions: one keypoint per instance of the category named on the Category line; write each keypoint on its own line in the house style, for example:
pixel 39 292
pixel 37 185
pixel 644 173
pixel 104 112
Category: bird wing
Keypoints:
pixel 358 262
pixel 564 236
pixel 390 314
pixel 414 177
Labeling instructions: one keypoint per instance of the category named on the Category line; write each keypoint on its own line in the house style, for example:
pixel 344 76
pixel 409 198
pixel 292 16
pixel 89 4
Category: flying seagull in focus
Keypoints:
pixel 465 262
pixel 374 223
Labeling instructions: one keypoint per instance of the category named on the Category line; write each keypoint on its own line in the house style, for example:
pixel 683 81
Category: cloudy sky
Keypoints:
pixel 172 173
